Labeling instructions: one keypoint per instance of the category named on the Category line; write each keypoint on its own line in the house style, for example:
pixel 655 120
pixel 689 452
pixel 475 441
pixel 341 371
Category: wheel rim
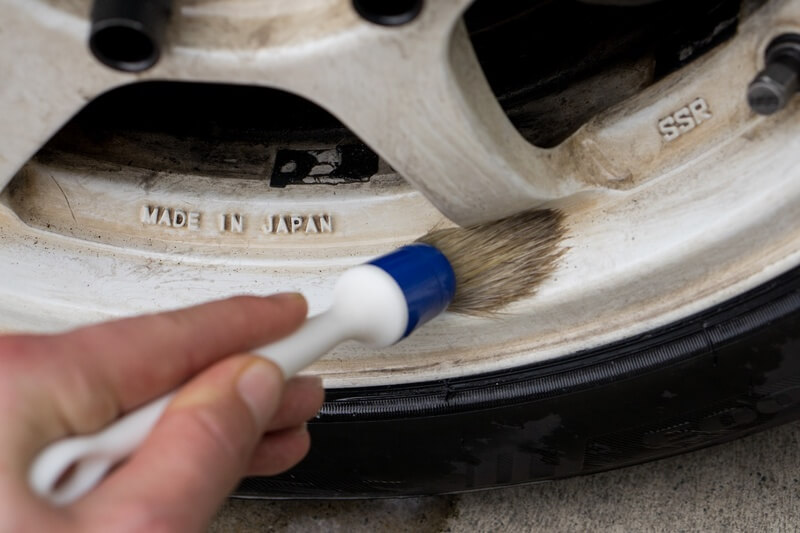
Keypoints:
pixel 657 229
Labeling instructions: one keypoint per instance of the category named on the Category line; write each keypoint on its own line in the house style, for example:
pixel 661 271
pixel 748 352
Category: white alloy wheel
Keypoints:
pixel 662 222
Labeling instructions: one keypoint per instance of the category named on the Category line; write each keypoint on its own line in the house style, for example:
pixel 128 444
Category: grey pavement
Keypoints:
pixel 748 485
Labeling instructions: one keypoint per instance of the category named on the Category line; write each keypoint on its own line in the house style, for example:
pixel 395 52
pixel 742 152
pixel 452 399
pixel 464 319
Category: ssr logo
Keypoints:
pixel 684 120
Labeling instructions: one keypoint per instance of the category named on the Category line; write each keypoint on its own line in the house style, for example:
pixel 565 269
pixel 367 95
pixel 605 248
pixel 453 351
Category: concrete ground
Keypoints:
pixel 749 485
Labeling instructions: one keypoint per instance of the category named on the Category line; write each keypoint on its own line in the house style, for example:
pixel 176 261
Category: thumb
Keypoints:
pixel 198 451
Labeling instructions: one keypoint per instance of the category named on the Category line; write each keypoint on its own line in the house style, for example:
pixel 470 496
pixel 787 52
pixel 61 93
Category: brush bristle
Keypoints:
pixel 500 262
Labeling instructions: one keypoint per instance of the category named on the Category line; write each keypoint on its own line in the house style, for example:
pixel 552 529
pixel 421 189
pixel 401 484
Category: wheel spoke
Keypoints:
pixel 415 93
pixel 47 78
pixel 423 104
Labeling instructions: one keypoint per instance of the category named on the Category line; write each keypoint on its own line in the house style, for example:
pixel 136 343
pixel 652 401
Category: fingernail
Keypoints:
pixel 289 297
pixel 256 386
pixel 310 381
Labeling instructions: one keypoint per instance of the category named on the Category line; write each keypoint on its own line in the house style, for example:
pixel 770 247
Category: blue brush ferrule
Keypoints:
pixel 426 278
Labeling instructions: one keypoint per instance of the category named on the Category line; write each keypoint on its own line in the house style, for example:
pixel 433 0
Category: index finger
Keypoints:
pixel 98 371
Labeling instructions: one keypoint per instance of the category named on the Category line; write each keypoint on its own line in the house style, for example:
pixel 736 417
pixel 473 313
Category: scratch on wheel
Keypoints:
pixel 69 206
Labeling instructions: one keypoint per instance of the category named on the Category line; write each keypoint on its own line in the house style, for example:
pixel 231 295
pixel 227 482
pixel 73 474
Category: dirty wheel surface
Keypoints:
pixel 272 146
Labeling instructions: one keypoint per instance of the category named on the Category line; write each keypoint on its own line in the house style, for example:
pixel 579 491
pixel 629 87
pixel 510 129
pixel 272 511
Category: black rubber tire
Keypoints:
pixel 716 376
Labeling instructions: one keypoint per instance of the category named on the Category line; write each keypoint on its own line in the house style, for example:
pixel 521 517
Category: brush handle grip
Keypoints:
pixel 88 458
pixel 84 460
pixel 368 307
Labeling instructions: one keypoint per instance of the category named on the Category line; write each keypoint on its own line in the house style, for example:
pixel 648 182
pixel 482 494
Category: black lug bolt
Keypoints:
pixel 773 87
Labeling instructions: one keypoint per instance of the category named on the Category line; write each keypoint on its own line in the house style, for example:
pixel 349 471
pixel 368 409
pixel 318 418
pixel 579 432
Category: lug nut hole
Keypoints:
pixel 124 48
pixel 388 12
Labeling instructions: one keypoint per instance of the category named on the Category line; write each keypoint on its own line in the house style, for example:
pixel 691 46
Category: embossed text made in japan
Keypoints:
pixel 178 219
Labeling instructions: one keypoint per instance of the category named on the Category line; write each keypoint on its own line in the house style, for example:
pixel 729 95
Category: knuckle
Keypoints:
pixel 19 355
pixel 18 346
pixel 176 320
pixel 213 433
pixel 245 309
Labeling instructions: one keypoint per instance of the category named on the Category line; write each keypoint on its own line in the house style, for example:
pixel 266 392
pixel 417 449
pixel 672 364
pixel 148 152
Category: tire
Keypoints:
pixel 711 378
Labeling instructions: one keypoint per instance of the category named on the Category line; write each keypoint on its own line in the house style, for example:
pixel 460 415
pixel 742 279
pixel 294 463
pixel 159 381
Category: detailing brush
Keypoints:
pixel 475 270
pixel 500 262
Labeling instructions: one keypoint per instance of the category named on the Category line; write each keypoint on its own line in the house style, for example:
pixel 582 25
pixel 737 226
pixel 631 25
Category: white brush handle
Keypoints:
pixel 368 306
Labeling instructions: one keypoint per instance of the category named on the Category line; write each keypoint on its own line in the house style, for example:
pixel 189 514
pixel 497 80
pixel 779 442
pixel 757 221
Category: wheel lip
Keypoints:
pixel 695 336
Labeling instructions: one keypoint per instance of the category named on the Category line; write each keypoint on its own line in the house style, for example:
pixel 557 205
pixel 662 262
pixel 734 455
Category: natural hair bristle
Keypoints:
pixel 502 261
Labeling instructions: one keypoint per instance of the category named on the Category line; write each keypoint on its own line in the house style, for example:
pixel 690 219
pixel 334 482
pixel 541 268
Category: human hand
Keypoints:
pixel 234 415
